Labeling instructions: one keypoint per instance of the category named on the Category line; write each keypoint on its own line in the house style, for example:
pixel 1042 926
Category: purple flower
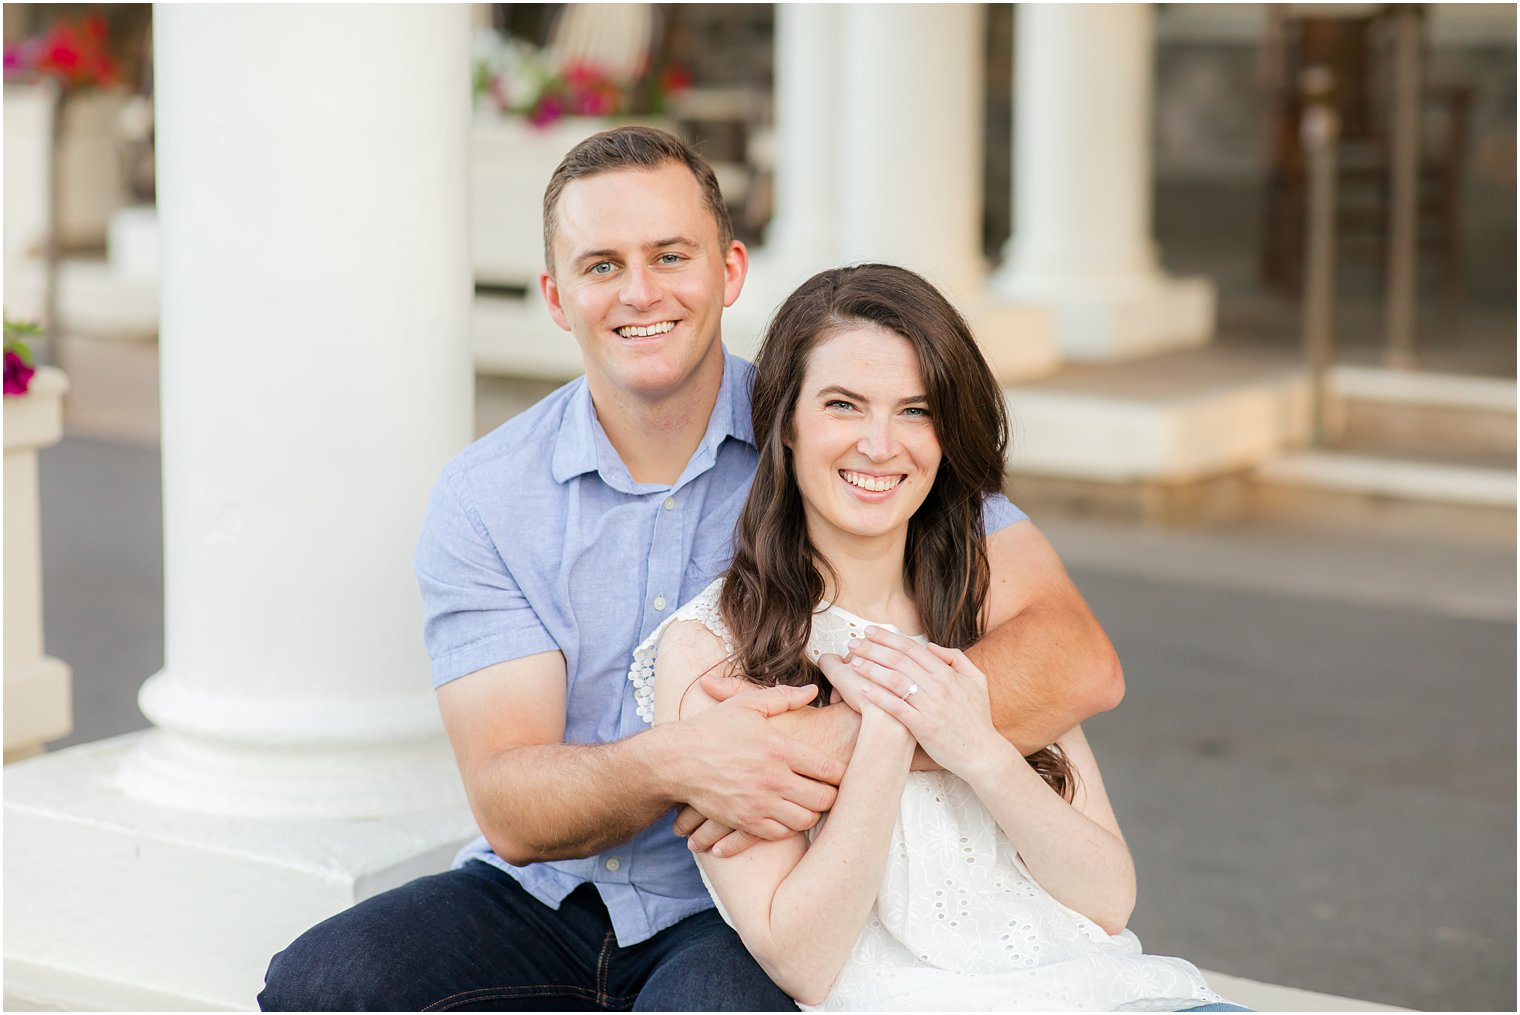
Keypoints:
pixel 18 373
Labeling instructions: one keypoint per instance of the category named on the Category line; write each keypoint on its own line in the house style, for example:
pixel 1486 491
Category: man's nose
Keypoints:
pixel 639 288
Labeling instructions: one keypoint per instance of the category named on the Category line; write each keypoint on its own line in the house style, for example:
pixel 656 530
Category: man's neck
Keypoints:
pixel 656 440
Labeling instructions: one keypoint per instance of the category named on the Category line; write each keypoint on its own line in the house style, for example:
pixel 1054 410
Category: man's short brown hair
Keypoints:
pixel 631 148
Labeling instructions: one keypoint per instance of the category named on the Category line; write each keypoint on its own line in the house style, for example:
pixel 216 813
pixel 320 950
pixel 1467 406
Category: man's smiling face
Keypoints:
pixel 641 279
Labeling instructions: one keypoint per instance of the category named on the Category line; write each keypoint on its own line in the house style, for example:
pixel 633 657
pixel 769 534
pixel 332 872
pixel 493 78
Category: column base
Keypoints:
pixel 38 706
pixel 1018 339
pixel 117 904
pixel 1098 320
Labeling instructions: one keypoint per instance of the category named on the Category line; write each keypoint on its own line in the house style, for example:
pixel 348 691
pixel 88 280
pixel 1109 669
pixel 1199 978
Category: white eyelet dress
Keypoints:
pixel 960 924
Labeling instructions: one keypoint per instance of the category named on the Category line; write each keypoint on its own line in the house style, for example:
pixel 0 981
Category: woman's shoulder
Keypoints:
pixel 690 641
pixel 702 610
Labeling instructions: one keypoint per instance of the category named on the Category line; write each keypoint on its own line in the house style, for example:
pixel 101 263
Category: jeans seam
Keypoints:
pixel 602 962
pixel 530 990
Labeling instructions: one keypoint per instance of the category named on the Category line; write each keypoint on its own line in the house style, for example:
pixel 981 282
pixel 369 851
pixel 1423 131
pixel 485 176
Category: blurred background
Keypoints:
pixel 1296 519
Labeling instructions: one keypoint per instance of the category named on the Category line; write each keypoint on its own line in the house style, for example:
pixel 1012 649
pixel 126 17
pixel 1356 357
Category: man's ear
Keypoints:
pixel 735 268
pixel 550 290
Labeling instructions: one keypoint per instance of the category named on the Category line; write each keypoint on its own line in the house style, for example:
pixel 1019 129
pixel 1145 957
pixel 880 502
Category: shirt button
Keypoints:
pixel 659 602
pixel 613 863
pixel 670 503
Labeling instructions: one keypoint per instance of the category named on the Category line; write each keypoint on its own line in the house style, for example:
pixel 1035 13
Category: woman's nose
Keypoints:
pixel 878 442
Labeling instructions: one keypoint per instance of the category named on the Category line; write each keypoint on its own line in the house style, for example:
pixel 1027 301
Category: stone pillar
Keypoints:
pixel 38 703
pixel 807 147
pixel 910 183
pixel 803 235
pixel 315 377
pixel 1082 242
pixel 878 158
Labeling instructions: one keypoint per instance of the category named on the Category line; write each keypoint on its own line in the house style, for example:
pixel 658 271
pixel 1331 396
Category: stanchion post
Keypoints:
pixel 1320 131
pixel 1404 192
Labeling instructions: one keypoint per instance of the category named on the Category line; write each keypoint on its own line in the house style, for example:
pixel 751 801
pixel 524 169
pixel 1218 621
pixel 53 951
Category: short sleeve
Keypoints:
pixel 998 512
pixel 703 608
pixel 474 613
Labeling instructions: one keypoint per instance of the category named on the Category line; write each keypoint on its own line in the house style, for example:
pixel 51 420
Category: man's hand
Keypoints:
pixel 833 729
pixel 747 776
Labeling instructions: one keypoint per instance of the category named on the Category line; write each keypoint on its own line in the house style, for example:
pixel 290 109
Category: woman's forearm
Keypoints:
pixel 1081 864
pixel 820 908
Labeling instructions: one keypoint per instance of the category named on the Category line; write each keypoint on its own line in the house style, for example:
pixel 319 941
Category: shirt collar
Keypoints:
pixel 580 434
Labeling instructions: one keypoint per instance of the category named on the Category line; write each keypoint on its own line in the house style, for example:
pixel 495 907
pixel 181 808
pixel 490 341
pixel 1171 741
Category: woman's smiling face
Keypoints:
pixel 864 449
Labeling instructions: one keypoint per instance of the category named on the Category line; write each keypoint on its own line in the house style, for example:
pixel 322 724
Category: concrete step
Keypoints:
pixel 1402 478
pixel 1212 435
pixel 1260 996
pixel 1388 495
pixel 1171 419
pixel 1442 417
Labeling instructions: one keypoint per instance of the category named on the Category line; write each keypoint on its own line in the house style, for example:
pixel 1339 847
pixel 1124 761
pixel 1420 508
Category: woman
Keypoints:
pixel 997 883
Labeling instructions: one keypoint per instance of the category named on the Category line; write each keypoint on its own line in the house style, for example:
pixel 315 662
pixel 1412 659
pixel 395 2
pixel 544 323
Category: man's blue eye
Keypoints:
pixel 670 258
pixel 598 267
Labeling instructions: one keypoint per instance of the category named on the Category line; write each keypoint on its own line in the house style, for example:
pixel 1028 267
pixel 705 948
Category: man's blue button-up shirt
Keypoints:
pixel 538 539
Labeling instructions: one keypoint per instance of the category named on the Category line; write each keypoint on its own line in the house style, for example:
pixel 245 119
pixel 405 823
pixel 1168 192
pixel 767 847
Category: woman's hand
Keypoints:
pixel 849 686
pixel 935 692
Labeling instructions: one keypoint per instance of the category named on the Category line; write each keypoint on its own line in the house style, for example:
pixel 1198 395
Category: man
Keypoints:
pixel 552 547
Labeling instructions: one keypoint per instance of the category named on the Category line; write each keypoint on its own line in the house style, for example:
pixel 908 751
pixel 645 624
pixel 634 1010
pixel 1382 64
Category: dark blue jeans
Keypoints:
pixel 473 940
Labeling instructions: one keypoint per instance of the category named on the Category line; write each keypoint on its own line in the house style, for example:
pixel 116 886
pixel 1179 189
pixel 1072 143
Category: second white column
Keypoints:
pixel 1082 243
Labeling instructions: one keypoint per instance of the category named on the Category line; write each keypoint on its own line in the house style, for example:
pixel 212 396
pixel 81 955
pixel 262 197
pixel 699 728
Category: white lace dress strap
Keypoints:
pixel 703 608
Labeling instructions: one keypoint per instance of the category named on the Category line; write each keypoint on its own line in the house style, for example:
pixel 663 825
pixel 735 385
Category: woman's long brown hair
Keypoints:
pixel 774 585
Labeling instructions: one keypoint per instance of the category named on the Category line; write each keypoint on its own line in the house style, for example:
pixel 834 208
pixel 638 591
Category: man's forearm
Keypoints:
pixel 565 801
pixel 832 729
pixel 1048 669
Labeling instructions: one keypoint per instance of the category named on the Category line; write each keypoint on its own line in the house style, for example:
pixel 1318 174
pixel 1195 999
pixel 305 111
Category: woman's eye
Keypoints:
pixel 916 412
pixel 838 405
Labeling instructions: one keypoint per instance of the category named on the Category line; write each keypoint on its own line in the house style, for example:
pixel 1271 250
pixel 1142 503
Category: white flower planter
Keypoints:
pixel 38 702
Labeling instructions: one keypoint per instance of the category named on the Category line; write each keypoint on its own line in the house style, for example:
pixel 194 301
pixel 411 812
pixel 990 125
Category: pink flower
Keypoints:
pixel 18 373
pixel 76 52
pixel 546 112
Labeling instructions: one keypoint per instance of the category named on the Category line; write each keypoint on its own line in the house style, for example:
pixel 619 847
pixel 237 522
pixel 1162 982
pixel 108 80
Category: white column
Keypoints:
pixel 1082 241
pixel 803 235
pixel 910 183
pixel 315 377
pixel 803 227
pixel 879 158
